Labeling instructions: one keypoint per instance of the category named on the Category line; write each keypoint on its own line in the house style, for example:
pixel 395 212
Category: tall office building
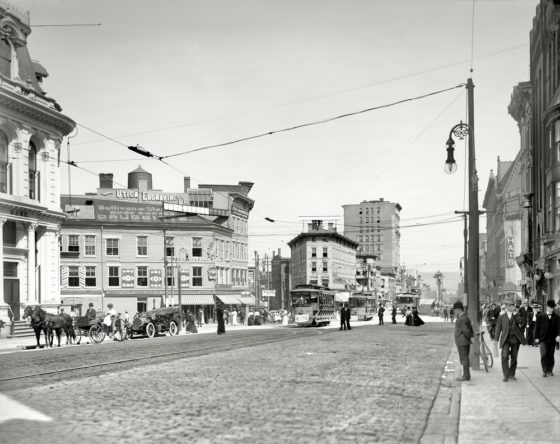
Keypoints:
pixel 375 225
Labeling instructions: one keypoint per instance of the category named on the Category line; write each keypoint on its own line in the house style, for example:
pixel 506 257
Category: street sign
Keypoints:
pixel 268 293
pixel 190 209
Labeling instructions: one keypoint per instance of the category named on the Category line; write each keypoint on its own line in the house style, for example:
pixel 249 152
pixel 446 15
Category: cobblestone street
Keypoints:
pixel 370 384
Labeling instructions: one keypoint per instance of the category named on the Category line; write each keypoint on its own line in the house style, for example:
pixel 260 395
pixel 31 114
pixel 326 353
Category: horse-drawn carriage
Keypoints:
pixel 97 329
pixel 160 320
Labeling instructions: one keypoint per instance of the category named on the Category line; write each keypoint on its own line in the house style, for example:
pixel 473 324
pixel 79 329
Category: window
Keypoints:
pixel 169 246
pixel 142 276
pixel 112 247
pixel 113 276
pixel 197 277
pixel 141 245
pixel 313 252
pixel 325 252
pixel 3 162
pixel 33 173
pixel 89 241
pixel 170 276
pixel 5 58
pixel 73 243
pixel 557 209
pixel 91 280
pixel 325 282
pixel 312 281
pixel 73 276
pixel 10 233
pixel 197 247
pixel 557 138
pixel 313 267
pixel 325 267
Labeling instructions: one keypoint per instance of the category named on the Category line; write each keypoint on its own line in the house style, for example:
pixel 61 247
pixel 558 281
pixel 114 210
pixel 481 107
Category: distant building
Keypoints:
pixel 375 226
pixel 503 205
pixel 281 281
pixel 119 245
pixel 323 257
pixel 31 130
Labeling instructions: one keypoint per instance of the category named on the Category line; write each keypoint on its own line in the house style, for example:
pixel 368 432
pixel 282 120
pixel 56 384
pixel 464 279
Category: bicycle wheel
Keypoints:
pixel 78 333
pixel 120 333
pixel 488 354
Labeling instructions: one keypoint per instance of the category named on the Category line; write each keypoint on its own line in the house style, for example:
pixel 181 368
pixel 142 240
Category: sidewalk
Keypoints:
pixel 526 410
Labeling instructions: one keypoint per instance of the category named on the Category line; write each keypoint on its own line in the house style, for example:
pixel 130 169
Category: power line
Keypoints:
pixel 73 25
pixel 317 122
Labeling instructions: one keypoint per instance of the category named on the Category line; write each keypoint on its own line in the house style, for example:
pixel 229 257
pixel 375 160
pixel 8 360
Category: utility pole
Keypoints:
pixel 165 264
pixel 257 283
pixel 465 235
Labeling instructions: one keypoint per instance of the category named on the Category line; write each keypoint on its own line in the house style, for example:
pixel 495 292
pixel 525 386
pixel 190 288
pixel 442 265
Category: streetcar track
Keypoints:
pixel 186 353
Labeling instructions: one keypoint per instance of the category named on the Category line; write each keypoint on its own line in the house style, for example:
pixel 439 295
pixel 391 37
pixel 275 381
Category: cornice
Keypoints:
pixel 36 111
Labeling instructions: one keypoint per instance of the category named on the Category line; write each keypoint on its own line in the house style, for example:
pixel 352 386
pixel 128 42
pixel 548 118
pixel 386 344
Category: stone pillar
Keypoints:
pixel 4 307
pixel 31 297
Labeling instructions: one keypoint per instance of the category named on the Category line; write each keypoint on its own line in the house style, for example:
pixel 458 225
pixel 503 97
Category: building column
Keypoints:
pixel 31 296
pixel 4 307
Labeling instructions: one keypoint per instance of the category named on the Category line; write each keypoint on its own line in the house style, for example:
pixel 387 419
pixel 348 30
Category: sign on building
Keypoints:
pixel 127 278
pixel 268 293
pixel 155 278
pixel 510 252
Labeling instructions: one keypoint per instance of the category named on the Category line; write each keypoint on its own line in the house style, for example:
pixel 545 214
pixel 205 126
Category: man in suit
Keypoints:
pixel 345 318
pixel 547 333
pixel 463 337
pixel 380 314
pixel 394 314
pixel 509 337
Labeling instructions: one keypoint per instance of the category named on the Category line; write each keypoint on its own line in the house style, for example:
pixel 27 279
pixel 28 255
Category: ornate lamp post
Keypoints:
pixel 462 130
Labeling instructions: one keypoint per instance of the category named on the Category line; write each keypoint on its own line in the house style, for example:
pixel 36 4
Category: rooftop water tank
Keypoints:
pixel 139 177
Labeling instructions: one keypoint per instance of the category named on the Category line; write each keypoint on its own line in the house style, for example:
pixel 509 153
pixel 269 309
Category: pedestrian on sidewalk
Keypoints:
pixel 221 321
pixel 509 337
pixel 464 335
pixel 547 333
pixel 380 314
pixel 345 317
pixel 445 314
pixel 394 315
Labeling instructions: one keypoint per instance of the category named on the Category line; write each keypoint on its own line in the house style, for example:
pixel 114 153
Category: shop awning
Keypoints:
pixel 197 299
pixel 247 299
pixel 230 299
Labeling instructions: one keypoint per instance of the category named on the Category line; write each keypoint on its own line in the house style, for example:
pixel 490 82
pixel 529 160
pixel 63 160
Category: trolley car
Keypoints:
pixel 312 305
pixel 362 306
pixel 407 300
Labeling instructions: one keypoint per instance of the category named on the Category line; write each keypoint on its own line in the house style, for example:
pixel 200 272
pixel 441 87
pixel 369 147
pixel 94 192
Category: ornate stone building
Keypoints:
pixel 31 131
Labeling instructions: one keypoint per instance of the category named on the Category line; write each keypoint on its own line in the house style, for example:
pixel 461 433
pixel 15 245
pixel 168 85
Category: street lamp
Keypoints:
pixel 462 130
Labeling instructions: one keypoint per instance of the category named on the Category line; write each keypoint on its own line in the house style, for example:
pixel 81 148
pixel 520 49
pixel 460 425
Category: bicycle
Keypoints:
pixel 485 353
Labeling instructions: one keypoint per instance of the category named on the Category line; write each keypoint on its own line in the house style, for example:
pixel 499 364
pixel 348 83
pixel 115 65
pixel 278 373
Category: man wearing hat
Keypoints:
pixel 463 337
pixel 547 333
pixel 509 337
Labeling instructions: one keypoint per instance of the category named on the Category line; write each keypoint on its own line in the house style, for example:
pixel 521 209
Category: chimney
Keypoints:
pixel 331 226
pixel 186 183
pixel 105 180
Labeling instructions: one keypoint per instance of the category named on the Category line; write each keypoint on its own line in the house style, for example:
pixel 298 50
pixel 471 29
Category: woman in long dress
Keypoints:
pixel 220 319
pixel 416 319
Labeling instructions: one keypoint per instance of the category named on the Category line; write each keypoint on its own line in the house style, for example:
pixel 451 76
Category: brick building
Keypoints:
pixel 121 246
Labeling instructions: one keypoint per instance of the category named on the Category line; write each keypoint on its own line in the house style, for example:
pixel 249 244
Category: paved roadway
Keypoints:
pixel 370 384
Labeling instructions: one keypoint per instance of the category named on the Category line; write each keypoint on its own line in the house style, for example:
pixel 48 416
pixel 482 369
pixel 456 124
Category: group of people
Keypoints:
pixel 412 318
pixel 511 327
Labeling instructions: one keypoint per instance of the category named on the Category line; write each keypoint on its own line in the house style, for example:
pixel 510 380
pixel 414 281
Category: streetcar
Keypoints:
pixel 407 300
pixel 312 305
pixel 362 306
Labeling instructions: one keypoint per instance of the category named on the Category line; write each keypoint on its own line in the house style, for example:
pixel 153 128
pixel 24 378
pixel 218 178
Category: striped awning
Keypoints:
pixel 247 299
pixel 230 299
pixel 197 299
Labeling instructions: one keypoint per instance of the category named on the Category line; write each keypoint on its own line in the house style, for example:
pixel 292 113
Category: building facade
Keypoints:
pixel 503 204
pixel 281 281
pixel 545 139
pixel 375 226
pixel 323 257
pixel 142 248
pixel 31 131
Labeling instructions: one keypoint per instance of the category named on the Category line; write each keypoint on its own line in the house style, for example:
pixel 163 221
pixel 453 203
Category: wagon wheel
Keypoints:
pixel 173 328
pixel 150 329
pixel 96 334
pixel 78 333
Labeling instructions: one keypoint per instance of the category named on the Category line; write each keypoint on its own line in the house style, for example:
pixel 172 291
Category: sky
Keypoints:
pixel 176 75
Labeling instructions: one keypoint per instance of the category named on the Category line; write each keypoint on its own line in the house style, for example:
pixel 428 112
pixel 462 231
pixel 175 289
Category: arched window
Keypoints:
pixel 5 58
pixel 3 163
pixel 33 173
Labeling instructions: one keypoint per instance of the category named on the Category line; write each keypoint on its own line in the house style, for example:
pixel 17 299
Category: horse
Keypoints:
pixel 54 323
pixel 38 324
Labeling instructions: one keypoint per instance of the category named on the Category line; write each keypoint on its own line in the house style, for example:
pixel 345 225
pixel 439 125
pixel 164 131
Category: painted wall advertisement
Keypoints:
pixel 510 252
pixel 127 278
pixel 155 278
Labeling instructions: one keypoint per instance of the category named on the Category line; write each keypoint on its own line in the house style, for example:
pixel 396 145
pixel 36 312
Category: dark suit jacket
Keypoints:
pixel 546 329
pixel 463 331
pixel 345 313
pixel 502 329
